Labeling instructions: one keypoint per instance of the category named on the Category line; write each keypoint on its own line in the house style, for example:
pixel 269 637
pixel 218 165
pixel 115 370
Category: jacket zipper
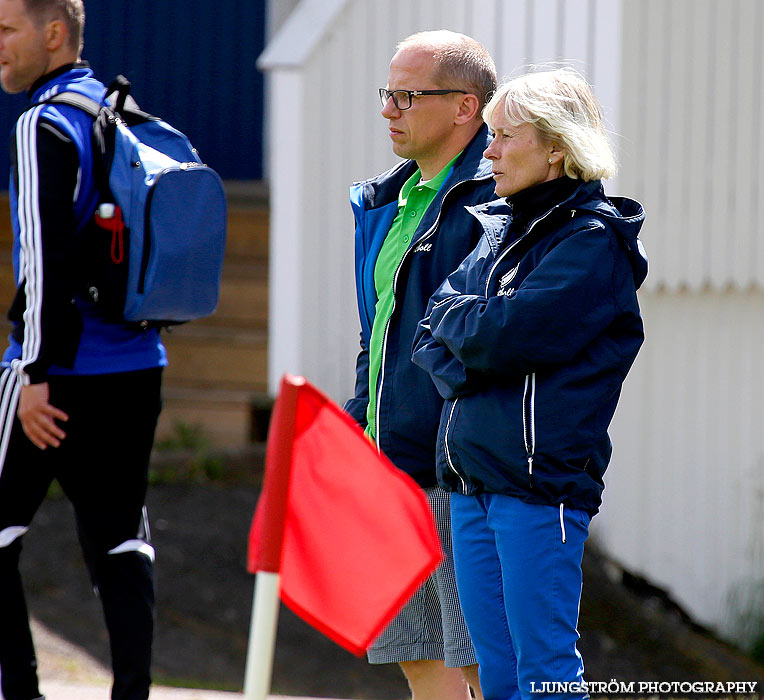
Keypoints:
pixel 413 245
pixel 146 251
pixel 448 451
pixel 529 392
pixel 529 421
pixel 504 252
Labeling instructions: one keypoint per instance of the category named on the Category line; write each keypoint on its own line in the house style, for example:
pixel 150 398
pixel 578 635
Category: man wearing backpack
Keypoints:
pixel 79 393
pixel 412 231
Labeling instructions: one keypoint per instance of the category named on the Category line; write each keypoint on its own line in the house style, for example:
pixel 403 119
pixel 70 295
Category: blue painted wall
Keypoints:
pixel 191 62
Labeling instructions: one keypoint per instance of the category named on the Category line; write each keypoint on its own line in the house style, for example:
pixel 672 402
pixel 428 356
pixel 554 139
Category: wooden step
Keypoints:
pixel 248 223
pixel 224 398
pixel 6 230
pixel 218 417
pixel 243 296
pixel 247 234
pixel 7 281
pixel 207 356
pixel 243 293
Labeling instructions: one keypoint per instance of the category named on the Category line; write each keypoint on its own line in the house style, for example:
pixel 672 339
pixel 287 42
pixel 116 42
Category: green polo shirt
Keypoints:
pixel 415 197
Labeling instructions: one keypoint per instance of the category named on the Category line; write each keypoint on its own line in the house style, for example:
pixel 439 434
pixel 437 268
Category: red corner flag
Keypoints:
pixel 358 534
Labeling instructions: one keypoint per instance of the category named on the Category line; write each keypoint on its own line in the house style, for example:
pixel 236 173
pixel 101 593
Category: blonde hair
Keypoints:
pixel 562 107
pixel 461 62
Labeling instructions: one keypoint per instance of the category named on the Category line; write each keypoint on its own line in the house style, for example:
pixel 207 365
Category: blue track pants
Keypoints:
pixel 518 571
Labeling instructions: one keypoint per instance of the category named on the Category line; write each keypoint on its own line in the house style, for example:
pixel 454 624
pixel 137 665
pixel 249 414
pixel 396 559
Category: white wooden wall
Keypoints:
pixel 692 120
pixel 681 82
pixel 684 503
pixel 684 496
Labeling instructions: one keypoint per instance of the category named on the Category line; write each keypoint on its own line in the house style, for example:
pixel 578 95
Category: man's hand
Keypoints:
pixel 38 417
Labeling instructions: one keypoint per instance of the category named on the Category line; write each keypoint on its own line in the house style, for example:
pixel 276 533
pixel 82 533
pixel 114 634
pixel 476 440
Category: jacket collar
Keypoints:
pixel 499 218
pixel 535 201
pixel 624 217
pixel 384 188
pixel 49 78
pixel 471 164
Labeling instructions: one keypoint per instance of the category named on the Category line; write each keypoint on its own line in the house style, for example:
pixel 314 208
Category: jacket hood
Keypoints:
pixel 622 215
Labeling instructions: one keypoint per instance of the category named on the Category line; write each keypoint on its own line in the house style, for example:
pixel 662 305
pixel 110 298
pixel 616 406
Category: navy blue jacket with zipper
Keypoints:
pixel 529 342
pixel 408 406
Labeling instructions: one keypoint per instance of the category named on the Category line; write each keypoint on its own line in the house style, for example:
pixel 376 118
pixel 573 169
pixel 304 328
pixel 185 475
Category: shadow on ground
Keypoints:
pixel 204 598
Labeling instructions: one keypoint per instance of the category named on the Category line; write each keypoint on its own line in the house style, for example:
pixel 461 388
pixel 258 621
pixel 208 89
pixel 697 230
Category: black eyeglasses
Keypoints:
pixel 403 99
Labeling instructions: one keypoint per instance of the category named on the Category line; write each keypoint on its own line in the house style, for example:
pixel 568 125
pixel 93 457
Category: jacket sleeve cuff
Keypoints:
pixel 356 408
pixel 26 378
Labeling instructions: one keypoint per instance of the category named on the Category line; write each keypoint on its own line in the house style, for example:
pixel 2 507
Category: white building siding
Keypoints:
pixel 684 497
pixel 692 146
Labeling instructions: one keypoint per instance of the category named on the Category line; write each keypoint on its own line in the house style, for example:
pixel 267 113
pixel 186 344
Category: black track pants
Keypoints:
pixel 102 466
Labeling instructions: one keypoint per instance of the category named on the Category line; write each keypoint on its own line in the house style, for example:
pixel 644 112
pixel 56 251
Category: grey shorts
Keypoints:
pixel 430 625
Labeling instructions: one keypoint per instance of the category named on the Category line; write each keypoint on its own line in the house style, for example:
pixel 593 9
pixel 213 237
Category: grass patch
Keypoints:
pixel 195 448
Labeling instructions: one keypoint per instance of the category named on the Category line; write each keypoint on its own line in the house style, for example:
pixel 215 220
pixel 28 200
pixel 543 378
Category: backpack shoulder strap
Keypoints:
pixel 117 101
pixel 75 99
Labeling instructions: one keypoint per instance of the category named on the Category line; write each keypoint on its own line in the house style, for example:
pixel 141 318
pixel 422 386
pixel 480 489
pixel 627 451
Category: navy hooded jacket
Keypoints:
pixel 530 341
pixel 408 406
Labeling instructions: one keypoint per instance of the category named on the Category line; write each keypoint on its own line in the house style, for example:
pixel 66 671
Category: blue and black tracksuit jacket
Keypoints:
pixel 408 406
pixel 529 342
pixel 57 330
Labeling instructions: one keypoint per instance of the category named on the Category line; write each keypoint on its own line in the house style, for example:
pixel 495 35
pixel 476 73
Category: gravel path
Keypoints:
pixel 69 673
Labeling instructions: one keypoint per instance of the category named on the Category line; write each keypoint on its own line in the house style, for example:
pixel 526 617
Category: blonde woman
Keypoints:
pixel 529 342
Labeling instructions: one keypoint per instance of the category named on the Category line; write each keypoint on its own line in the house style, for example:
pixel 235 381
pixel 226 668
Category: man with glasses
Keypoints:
pixel 412 231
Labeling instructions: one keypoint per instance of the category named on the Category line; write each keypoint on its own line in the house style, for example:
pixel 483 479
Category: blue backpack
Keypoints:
pixel 156 252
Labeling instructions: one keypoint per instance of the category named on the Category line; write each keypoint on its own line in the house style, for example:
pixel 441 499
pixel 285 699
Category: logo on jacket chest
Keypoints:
pixel 423 248
pixel 504 288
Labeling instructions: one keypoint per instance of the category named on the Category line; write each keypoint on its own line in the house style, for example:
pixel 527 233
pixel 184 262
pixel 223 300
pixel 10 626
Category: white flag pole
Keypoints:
pixel 265 603
pixel 262 636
